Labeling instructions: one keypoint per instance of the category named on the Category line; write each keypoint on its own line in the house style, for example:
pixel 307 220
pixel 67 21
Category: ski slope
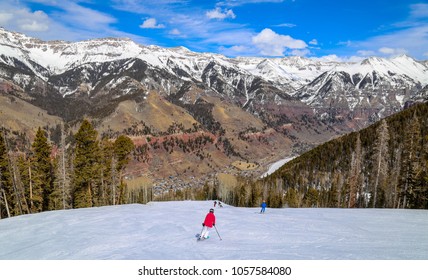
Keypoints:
pixel 166 230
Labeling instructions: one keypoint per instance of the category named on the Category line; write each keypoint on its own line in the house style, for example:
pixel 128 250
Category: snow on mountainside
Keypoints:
pixel 166 231
pixel 294 71
pixel 402 65
pixel 365 87
pixel 59 76
pixel 60 56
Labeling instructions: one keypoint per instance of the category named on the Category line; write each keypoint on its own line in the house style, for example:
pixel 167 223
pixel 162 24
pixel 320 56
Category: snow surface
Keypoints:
pixel 166 230
pixel 276 165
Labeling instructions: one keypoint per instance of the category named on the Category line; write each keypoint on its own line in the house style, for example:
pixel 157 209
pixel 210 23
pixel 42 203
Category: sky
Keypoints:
pixel 312 28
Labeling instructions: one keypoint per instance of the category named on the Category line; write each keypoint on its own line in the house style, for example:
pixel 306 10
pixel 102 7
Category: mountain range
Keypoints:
pixel 251 110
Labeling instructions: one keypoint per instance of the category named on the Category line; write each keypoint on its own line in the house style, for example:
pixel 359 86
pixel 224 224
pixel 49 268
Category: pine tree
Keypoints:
pixel 107 184
pixel 355 174
pixel 380 164
pixel 63 174
pixel 418 194
pixel 292 198
pixel 20 199
pixel 23 164
pixel 41 173
pixel 311 198
pixel 5 180
pixel 123 146
pixel 86 166
pixel 410 160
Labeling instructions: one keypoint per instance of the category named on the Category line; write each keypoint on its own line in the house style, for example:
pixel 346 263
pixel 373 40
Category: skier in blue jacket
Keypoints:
pixel 263 207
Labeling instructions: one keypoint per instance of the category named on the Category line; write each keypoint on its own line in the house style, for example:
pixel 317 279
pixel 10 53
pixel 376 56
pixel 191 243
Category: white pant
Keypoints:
pixel 205 232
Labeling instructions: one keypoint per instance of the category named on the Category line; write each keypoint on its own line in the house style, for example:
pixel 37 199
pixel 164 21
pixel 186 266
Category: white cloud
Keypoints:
pixel 175 31
pixel 235 49
pixel 392 51
pixel 386 50
pixel 272 44
pixel 348 43
pixel 245 2
pixel 151 23
pixel 336 58
pixel 314 42
pixel 5 17
pixel 64 20
pixel 34 26
pixel 366 52
pixel 410 40
pixel 409 36
pixel 37 22
pixel 238 48
pixel 419 11
pixel 217 13
pixel 289 25
pixel 79 17
pixel 23 19
pixel 302 52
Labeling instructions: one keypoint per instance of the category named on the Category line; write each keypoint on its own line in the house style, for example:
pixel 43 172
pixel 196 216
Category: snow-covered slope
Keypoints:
pixel 166 230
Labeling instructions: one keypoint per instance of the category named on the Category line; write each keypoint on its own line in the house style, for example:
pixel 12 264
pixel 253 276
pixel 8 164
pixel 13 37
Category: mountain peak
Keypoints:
pixel 373 60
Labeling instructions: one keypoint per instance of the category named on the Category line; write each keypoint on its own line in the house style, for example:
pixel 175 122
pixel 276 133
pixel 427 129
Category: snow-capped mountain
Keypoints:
pixel 372 84
pixel 71 79
pixel 254 109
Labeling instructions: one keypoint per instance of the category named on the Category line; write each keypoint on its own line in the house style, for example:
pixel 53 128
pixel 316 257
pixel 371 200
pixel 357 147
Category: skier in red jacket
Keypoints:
pixel 208 223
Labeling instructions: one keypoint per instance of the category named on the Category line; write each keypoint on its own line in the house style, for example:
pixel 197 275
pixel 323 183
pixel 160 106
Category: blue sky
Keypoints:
pixel 343 30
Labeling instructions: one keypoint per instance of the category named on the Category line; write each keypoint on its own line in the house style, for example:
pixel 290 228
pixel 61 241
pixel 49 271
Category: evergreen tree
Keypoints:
pixel 410 160
pixel 20 201
pixel 380 155
pixel 41 173
pixel 86 166
pixel 418 195
pixel 292 198
pixel 24 172
pixel 123 146
pixel 63 182
pixel 355 179
pixel 5 180
pixel 107 185
pixel 311 198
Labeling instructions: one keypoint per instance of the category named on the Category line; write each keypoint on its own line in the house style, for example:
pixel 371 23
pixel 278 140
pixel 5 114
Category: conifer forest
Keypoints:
pixel 383 166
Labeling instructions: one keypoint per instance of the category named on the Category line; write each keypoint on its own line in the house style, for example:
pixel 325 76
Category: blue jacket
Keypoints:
pixel 264 205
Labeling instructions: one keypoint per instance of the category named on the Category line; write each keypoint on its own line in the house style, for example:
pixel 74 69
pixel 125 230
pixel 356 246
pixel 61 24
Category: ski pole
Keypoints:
pixel 217 232
pixel 200 235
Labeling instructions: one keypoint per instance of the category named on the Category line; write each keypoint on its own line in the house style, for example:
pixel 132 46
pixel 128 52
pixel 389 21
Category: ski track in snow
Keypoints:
pixel 166 231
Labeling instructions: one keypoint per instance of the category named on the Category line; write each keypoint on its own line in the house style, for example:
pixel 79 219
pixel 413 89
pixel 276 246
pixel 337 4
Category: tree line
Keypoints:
pixel 382 166
pixel 85 172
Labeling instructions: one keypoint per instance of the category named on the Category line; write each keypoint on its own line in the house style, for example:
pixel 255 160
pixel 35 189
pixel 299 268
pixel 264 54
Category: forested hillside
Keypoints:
pixel 86 172
pixel 384 165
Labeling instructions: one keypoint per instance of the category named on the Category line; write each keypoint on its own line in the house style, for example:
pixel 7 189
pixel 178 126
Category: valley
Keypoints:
pixel 194 115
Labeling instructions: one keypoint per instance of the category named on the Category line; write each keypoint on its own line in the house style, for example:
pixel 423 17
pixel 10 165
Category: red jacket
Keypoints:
pixel 209 220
